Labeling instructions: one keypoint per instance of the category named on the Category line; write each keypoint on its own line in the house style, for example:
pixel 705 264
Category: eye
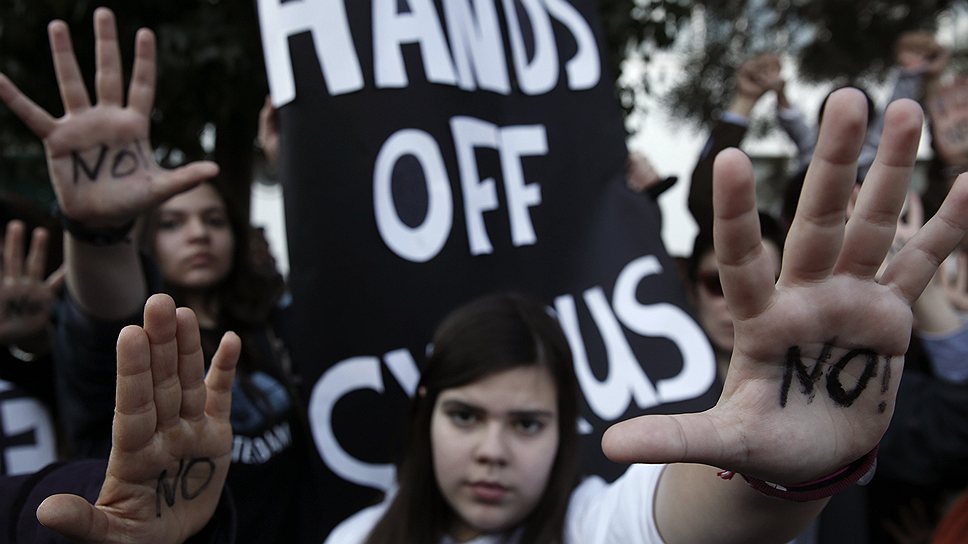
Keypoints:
pixel 463 418
pixel 529 426
pixel 168 223
pixel 216 221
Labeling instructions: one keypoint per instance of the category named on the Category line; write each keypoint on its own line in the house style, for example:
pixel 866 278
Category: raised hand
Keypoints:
pixel 268 136
pixel 818 357
pixel 25 296
pixel 171 441
pixel 99 156
pixel 919 51
pixel 758 75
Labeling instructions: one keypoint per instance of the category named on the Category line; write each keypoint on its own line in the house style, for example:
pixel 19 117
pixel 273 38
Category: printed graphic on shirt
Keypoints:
pixel 26 432
pixel 260 420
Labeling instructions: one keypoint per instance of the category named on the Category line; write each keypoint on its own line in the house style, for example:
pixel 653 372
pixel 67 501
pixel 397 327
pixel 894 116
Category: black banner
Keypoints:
pixel 436 151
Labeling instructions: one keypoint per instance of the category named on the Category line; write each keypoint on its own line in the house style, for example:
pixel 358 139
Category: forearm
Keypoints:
pixel 107 282
pixel 742 105
pixel 694 505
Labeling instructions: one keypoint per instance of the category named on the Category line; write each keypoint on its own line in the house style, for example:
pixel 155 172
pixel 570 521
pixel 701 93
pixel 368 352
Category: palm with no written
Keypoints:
pixel 98 154
pixel 818 356
pixel 171 439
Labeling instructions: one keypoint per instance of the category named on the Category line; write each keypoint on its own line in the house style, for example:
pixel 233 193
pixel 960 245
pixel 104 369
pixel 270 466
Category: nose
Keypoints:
pixel 197 229
pixel 492 448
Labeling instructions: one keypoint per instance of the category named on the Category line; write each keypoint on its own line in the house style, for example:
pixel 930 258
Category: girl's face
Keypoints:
pixel 494 442
pixel 193 241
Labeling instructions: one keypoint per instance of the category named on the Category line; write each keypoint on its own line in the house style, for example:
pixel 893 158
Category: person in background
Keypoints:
pixel 189 242
pixel 32 278
pixel 171 445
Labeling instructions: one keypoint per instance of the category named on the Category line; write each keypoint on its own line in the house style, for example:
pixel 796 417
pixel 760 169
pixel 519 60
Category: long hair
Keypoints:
pixel 486 336
pixel 245 297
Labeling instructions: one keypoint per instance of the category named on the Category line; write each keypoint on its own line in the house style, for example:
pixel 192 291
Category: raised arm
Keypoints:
pixel 754 78
pixel 818 357
pixel 100 161
pixel 172 439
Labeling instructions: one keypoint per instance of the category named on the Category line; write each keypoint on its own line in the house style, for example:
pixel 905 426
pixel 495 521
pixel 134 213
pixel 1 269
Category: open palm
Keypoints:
pixel 818 357
pixel 171 440
pixel 99 156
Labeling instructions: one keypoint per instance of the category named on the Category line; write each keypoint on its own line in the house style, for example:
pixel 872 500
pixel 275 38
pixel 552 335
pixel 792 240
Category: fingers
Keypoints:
pixel 37 256
pixel 141 93
pixel 36 118
pixel 814 241
pixel 69 80
pixel 870 230
pixel 160 326
pixel 107 78
pixel 13 244
pixel 73 517
pixel 918 261
pixel 744 265
pixel 191 365
pixel 134 412
pixel 218 383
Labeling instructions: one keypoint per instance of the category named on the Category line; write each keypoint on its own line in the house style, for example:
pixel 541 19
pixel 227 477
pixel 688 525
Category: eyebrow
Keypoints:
pixel 452 404
pixel 203 211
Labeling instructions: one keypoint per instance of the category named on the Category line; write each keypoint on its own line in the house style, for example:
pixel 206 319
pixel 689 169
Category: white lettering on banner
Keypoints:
pixel 392 29
pixel 667 321
pixel 424 242
pixel 477 47
pixel 326 22
pixel 474 58
pixel 345 377
pixel 626 382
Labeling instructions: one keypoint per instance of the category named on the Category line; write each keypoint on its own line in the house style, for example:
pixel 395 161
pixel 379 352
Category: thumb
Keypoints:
pixel 691 438
pixel 73 517
pixel 185 177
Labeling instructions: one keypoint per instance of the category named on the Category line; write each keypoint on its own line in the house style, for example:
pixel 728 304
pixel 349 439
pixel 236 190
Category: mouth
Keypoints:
pixel 200 260
pixel 487 492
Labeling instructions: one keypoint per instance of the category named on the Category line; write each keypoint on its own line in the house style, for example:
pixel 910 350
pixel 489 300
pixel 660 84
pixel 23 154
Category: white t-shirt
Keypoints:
pixel 598 513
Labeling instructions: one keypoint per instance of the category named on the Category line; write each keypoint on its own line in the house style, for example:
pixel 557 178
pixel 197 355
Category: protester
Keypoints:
pixel 172 442
pixel 826 313
pixel 190 243
pixel 31 283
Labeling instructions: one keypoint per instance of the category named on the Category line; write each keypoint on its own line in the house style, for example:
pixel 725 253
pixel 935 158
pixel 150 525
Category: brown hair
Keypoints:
pixel 488 335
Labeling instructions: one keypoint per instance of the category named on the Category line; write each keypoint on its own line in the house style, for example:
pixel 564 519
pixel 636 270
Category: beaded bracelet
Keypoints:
pixel 860 472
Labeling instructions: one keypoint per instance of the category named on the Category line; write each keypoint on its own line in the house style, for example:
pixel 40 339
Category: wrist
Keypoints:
pixel 742 105
pixel 859 472
pixel 94 235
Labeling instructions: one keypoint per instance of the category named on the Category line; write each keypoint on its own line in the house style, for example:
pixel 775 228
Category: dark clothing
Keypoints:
pixel 724 134
pixel 21 495
pixel 271 445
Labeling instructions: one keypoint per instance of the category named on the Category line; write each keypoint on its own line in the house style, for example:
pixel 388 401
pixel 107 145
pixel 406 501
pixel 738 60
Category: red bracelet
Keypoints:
pixel 860 472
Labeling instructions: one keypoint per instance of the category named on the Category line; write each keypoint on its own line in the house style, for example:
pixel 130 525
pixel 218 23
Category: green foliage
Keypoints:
pixel 638 28
pixel 832 41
